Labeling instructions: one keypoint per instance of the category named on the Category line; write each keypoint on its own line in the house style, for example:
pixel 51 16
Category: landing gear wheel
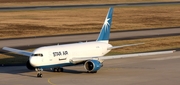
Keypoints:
pixel 55 70
pixel 61 69
pixel 58 69
pixel 39 75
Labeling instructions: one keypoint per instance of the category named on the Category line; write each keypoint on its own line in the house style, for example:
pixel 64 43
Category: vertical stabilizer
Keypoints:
pixel 105 30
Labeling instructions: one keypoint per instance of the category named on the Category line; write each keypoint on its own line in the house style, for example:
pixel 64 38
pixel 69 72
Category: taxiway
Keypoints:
pixel 124 35
pixel 87 6
pixel 147 70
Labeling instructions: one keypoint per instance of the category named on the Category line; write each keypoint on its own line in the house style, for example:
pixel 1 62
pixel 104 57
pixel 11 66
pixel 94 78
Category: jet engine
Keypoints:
pixel 29 66
pixel 92 66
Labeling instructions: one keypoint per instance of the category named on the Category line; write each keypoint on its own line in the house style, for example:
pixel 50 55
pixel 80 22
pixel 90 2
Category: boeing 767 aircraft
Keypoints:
pixel 89 54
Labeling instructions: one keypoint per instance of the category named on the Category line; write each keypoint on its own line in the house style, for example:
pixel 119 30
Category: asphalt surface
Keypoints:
pixel 87 6
pixel 146 70
pixel 126 35
pixel 149 70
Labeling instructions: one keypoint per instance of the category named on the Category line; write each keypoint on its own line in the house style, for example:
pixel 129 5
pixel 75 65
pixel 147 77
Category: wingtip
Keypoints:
pixel 3 47
pixel 174 51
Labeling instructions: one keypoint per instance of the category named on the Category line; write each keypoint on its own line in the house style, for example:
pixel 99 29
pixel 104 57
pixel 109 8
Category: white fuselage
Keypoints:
pixel 61 54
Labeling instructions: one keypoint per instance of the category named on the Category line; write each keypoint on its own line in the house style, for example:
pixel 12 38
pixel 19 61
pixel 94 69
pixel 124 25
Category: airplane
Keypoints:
pixel 90 54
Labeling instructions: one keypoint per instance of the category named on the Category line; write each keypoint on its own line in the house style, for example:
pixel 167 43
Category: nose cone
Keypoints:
pixel 35 61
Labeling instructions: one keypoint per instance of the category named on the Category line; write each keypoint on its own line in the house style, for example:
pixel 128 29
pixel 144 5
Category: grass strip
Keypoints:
pixel 66 21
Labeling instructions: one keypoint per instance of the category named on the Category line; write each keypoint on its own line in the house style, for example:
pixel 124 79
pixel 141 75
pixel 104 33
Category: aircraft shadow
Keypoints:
pixel 69 71
pixel 11 59
pixel 23 71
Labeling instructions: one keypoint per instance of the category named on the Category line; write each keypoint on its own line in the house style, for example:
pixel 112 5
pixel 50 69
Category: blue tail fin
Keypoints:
pixel 105 30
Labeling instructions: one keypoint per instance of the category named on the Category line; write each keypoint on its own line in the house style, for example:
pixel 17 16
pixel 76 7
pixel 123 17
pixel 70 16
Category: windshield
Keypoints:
pixel 37 55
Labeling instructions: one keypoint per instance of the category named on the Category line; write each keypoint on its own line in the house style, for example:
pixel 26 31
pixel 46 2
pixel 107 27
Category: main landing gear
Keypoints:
pixel 39 74
pixel 58 69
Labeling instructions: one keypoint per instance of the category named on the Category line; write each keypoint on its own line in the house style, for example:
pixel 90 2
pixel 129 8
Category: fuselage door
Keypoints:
pixel 50 56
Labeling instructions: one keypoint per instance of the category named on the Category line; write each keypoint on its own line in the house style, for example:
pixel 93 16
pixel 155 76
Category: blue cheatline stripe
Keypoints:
pixel 56 65
pixel 105 30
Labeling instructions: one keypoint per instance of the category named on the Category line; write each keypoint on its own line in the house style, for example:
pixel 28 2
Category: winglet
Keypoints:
pixel 105 30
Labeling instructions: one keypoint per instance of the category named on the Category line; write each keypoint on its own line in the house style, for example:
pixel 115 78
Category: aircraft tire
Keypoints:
pixel 39 75
pixel 55 69
pixel 61 69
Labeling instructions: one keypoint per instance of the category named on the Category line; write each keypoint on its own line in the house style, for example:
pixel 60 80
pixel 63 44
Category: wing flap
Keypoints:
pixel 17 51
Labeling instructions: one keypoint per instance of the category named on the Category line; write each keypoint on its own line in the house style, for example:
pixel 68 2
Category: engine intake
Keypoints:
pixel 92 65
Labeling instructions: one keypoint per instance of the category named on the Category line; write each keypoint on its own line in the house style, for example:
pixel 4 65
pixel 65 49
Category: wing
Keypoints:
pixel 21 52
pixel 75 60
pixel 114 47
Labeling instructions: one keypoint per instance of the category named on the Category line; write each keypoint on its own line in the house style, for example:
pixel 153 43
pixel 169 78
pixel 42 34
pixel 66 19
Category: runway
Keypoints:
pixel 87 6
pixel 147 70
pixel 124 35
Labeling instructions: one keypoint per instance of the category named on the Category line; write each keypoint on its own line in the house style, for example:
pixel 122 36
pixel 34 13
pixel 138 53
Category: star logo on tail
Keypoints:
pixel 106 24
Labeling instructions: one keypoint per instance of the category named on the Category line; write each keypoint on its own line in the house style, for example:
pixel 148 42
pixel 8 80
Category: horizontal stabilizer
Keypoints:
pixel 114 47
pixel 21 52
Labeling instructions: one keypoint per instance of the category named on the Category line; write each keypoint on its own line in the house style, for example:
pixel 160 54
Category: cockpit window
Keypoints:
pixel 37 55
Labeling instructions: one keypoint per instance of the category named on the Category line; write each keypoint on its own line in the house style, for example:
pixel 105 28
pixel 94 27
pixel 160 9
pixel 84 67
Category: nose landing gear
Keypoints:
pixel 39 74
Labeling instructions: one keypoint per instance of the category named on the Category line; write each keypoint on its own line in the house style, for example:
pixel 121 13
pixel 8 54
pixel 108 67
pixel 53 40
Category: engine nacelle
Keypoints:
pixel 92 65
pixel 29 66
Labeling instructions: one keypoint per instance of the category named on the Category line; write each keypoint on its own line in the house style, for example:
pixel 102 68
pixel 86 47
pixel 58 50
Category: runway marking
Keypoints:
pixel 166 58
pixel 49 81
